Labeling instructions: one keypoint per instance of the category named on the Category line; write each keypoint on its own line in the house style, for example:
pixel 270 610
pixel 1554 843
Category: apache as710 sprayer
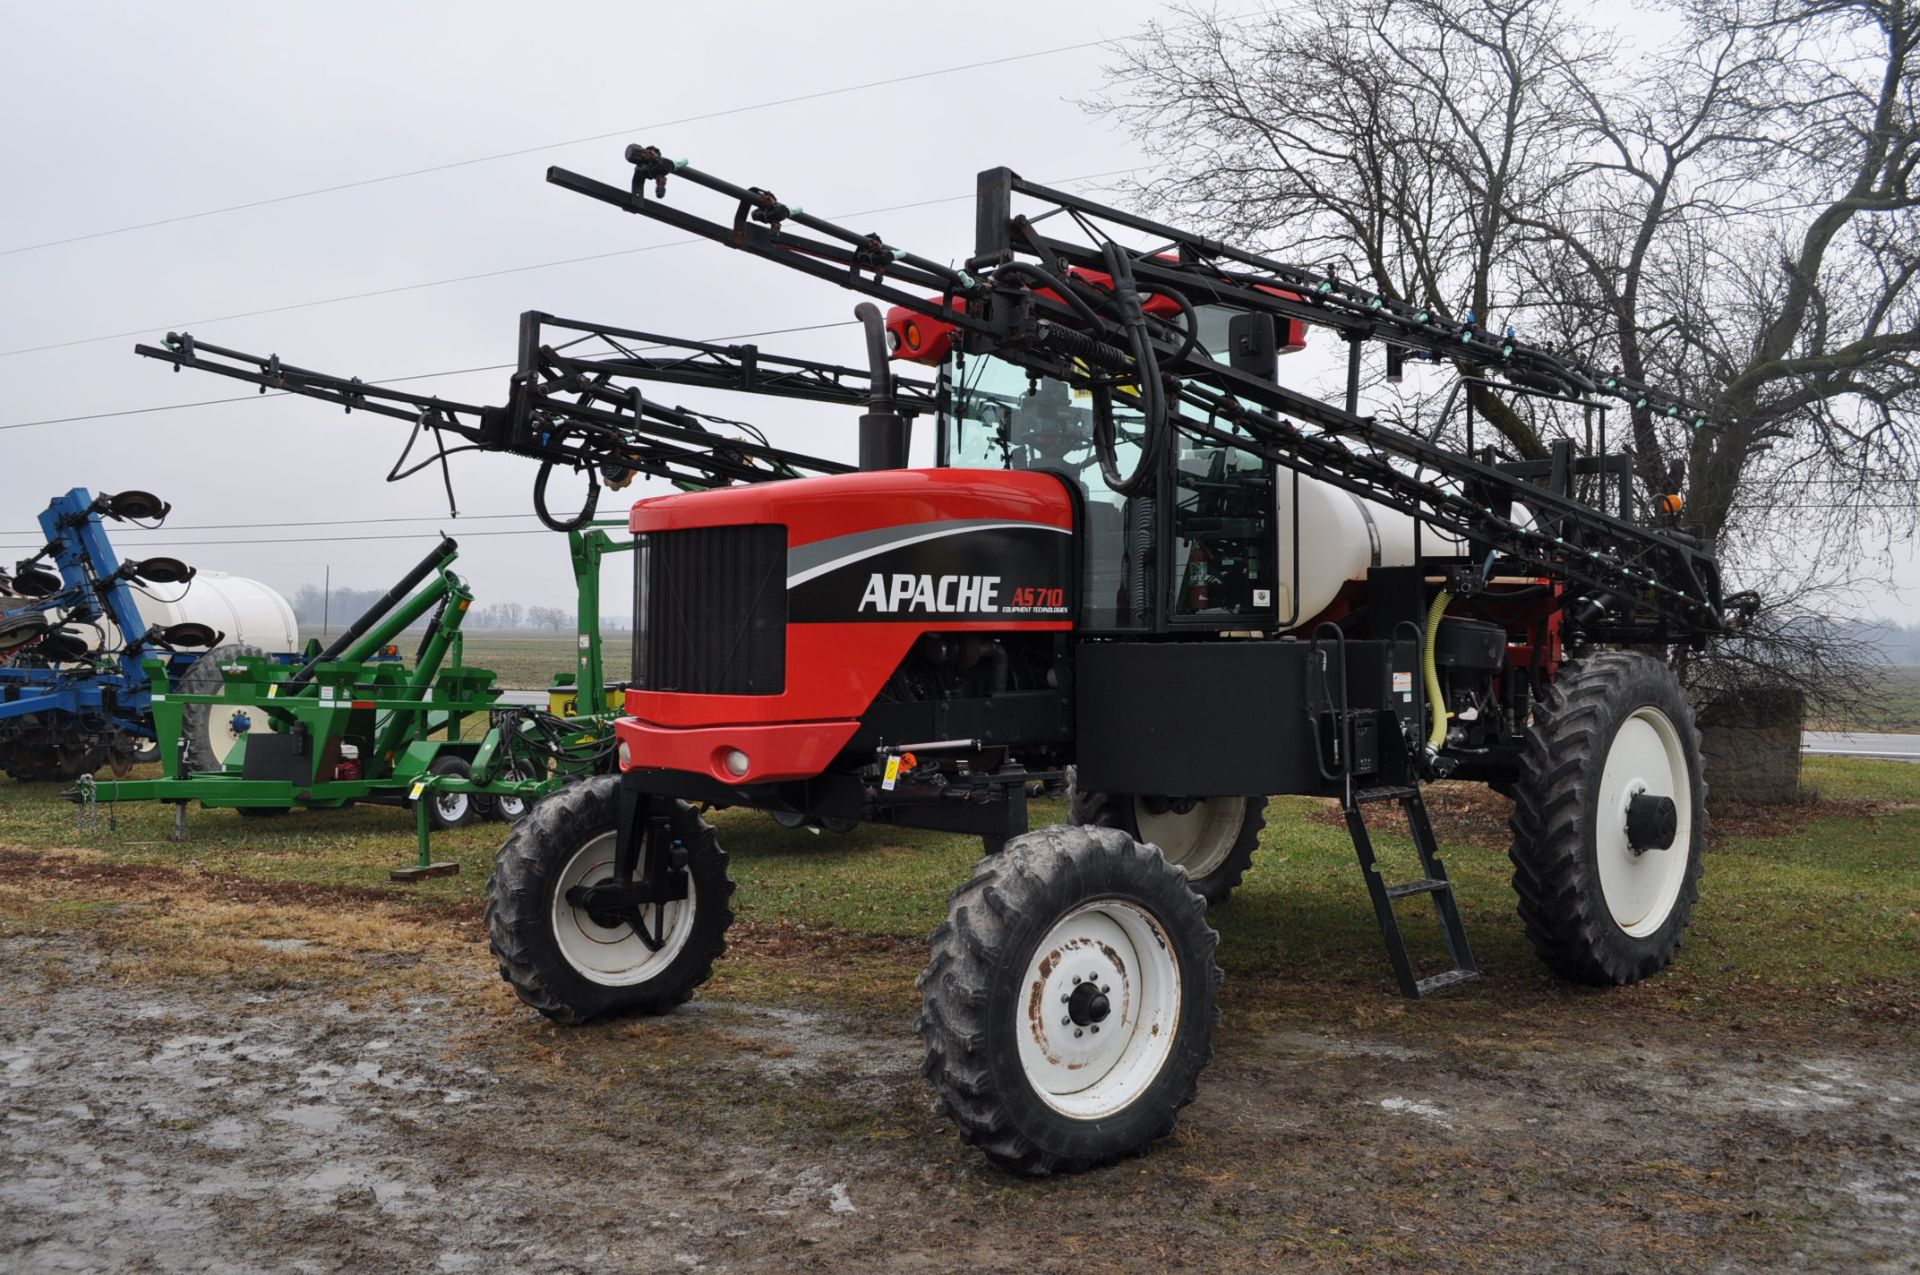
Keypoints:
pixel 1141 569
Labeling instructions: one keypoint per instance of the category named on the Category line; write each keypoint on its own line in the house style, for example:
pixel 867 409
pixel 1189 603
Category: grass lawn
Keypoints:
pixel 1808 912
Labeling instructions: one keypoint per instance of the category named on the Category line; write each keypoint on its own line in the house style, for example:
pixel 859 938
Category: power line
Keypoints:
pixel 318 540
pixel 576 141
pixel 482 274
pixel 321 522
pixel 390 380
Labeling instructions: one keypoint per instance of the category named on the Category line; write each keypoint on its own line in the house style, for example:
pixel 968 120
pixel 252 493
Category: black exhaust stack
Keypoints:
pixel 884 432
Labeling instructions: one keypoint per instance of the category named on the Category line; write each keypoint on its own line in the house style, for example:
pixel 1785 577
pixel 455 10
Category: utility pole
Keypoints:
pixel 326 603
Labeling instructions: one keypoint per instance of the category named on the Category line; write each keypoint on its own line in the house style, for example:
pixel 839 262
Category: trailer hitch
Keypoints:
pixel 622 899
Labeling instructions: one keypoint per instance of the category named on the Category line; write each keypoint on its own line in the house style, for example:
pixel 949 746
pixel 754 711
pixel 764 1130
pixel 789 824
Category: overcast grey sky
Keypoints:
pixel 127 114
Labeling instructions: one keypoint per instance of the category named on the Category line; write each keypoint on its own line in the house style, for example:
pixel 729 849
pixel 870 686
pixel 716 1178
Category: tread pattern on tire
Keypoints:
pixel 1022 890
pixel 519 899
pixel 196 720
pixel 1115 810
pixel 1554 875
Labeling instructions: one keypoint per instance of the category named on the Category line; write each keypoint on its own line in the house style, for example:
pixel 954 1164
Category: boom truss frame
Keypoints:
pixel 1025 297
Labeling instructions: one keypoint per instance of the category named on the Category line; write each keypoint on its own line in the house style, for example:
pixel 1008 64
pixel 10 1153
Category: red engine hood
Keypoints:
pixel 875 560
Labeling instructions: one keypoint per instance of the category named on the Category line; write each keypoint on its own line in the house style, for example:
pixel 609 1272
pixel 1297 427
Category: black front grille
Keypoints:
pixel 710 610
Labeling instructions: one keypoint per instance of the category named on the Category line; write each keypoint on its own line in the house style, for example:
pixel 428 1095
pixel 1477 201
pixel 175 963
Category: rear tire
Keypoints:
pixel 1040 1070
pixel 1597 909
pixel 558 959
pixel 1212 841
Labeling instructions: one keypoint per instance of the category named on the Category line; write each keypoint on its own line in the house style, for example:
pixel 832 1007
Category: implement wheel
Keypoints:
pixel 448 810
pixel 1212 839
pixel 506 809
pixel 572 966
pixel 1610 820
pixel 1069 1004
pixel 212 730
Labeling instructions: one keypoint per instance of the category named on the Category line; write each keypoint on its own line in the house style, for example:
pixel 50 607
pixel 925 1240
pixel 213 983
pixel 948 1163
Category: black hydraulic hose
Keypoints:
pixel 1053 283
pixel 580 519
pixel 1153 401
pixel 1191 334
pixel 373 614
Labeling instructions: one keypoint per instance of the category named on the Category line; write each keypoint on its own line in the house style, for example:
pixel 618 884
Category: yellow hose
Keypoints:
pixel 1437 737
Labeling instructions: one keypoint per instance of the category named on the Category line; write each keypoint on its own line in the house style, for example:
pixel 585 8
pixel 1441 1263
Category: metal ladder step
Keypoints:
pixel 1434 882
pixel 1446 978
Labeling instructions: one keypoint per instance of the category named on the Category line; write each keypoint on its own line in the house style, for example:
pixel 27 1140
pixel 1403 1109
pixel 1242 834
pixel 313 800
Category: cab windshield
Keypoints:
pixel 996 416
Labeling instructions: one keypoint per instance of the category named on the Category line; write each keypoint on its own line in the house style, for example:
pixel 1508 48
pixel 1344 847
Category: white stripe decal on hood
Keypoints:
pixel 903 536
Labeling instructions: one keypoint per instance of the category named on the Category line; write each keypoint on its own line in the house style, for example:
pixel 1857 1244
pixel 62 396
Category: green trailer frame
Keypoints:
pixel 347 727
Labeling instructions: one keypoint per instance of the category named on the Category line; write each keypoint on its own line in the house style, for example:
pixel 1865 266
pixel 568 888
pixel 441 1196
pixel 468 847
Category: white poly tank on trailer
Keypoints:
pixel 246 612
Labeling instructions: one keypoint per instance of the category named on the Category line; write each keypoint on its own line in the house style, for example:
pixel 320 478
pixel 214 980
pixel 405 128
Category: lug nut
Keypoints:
pixel 1066 1020
pixel 1076 980
pixel 1096 1029
pixel 1078 1032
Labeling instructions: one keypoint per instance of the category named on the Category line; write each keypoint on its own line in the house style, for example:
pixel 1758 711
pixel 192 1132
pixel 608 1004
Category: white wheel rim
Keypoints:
pixel 1641 887
pixel 1075 1069
pixel 511 808
pixel 613 957
pixel 1197 841
pixel 451 805
pixel 227 726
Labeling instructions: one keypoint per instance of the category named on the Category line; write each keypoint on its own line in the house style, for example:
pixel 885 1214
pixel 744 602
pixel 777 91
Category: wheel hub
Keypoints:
pixel 1087 1004
pixel 1652 821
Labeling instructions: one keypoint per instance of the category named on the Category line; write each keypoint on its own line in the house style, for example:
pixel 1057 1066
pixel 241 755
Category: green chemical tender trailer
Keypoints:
pixel 349 727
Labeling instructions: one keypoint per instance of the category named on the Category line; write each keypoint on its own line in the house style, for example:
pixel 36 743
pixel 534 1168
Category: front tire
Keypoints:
pixel 1606 873
pixel 1211 839
pixel 558 958
pixel 1069 1004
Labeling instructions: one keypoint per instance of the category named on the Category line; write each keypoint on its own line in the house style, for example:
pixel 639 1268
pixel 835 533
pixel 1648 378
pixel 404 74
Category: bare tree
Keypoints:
pixel 1729 211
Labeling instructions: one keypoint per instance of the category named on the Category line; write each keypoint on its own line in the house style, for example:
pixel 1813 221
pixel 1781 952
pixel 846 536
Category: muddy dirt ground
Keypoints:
pixel 196 1125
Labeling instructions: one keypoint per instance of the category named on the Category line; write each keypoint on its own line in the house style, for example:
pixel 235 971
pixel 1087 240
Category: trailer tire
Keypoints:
pixel 1056 909
pixel 209 746
pixel 449 810
pixel 509 810
pixel 562 963
pixel 1213 842
pixel 1614 728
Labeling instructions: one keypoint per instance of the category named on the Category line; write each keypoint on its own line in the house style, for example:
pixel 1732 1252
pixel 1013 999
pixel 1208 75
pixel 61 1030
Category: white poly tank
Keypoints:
pixel 243 610
pixel 1341 536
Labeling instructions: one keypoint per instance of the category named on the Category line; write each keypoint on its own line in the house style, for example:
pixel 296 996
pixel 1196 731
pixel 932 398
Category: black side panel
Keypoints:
pixel 710 610
pixel 1209 719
